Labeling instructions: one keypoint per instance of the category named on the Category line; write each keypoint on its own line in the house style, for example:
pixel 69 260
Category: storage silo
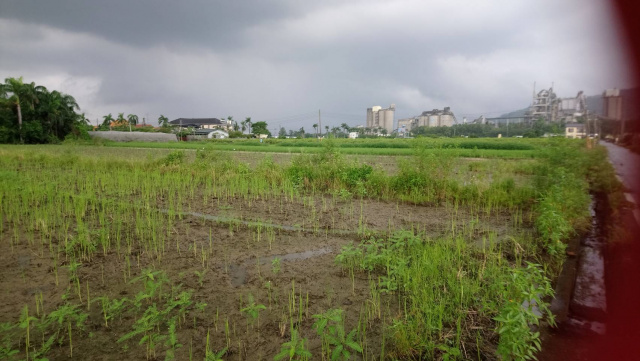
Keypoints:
pixel 382 118
pixel 388 119
pixel 446 120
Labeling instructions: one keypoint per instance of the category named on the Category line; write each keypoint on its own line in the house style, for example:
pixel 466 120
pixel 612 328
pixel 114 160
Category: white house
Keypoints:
pixel 209 134
pixel 202 123
pixel 353 135
pixel 575 130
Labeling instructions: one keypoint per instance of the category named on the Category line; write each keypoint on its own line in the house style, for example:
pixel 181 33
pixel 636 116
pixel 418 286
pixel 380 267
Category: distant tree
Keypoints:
pixel 301 132
pixel 20 93
pixel 326 129
pixel 315 128
pixel 282 134
pixel 133 119
pixel 57 110
pixel 163 121
pixel 107 120
pixel 236 134
pixel 233 123
pixel 345 126
pixel 249 124
pixel 260 128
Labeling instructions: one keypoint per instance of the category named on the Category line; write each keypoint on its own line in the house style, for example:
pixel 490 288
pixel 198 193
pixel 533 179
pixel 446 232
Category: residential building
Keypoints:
pixel 575 130
pixel 377 117
pixel 202 123
pixel 203 133
pixel 353 135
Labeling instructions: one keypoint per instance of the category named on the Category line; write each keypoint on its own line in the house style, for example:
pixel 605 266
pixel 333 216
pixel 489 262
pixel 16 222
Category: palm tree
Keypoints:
pixel 315 127
pixel 163 121
pixel 121 118
pixel 58 109
pixel 20 93
pixel 345 126
pixel 302 132
pixel 233 122
pixel 335 131
pixel 133 119
pixel 249 124
pixel 107 120
pixel 326 128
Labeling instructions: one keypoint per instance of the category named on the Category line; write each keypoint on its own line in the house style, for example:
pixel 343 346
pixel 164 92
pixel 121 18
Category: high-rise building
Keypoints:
pixel 377 117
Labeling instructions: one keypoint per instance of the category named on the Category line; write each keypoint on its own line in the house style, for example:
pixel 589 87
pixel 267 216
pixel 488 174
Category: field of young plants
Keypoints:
pixel 198 255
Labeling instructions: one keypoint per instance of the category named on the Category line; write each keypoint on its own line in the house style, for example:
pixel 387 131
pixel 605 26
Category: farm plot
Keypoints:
pixel 324 258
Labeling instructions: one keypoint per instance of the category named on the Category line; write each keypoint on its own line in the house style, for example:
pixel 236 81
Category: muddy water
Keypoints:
pixel 238 272
pixel 588 302
pixel 283 227
pixel 580 303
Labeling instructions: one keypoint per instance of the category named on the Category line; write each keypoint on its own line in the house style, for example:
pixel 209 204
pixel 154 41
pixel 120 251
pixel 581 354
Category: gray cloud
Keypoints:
pixel 273 59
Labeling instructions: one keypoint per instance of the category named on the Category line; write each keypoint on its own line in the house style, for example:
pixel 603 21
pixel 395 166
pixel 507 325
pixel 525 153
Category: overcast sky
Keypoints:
pixel 281 61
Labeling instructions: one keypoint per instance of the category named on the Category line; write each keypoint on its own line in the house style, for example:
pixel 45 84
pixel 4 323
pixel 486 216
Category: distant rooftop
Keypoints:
pixel 575 125
pixel 196 121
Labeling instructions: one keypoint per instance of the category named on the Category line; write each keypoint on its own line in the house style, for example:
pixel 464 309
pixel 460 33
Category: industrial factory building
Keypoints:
pixel 377 117
pixel 548 106
pixel 432 118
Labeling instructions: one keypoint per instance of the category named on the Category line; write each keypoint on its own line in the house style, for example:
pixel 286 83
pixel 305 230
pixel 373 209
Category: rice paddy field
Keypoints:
pixel 114 253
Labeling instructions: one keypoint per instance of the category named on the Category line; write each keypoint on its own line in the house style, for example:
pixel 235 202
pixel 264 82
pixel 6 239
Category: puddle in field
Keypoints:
pixel 24 261
pixel 238 272
pixel 247 223
pixel 296 256
pixel 259 224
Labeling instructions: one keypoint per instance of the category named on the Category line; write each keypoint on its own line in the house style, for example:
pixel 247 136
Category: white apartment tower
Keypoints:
pixel 377 117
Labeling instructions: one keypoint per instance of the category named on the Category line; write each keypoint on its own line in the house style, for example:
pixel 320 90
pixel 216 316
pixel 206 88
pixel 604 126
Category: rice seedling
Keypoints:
pixel 275 265
pixel 252 311
pixel 294 349
pixel 211 355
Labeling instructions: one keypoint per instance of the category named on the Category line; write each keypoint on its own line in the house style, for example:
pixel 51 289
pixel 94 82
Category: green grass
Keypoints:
pixel 361 149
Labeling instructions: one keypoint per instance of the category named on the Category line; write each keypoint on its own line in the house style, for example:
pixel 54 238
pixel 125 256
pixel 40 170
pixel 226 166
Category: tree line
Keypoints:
pixel 531 130
pixel 32 114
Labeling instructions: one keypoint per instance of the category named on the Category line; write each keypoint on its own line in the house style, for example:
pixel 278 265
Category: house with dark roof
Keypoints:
pixel 201 123
pixel 575 130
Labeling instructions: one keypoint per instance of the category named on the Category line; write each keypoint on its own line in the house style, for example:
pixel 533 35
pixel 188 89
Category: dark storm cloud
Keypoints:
pixel 271 59
pixel 215 24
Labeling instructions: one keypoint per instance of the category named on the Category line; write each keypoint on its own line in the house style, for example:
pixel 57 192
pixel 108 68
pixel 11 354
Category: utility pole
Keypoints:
pixel 320 123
